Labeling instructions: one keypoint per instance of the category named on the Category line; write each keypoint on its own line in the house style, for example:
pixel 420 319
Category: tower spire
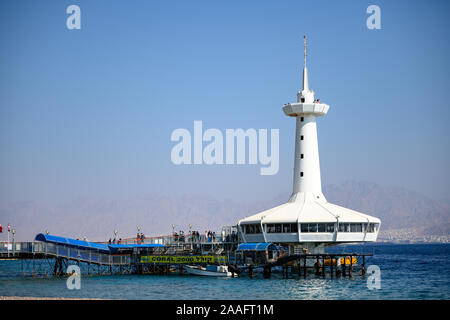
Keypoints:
pixel 304 48
pixel 305 70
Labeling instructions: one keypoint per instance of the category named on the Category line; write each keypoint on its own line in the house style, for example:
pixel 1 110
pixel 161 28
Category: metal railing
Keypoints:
pixel 14 248
pixel 176 240
pixel 90 256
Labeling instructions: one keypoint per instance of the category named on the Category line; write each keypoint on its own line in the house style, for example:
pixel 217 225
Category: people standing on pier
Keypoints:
pixel 109 241
pixel 233 236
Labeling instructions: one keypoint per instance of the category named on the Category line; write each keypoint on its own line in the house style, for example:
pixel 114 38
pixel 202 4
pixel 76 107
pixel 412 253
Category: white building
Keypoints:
pixel 308 220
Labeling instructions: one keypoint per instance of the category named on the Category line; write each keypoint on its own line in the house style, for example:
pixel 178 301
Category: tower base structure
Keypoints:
pixel 313 224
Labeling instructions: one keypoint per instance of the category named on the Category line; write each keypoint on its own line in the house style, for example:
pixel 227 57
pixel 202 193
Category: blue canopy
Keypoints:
pixel 117 247
pixel 256 246
pixel 88 245
pixel 80 244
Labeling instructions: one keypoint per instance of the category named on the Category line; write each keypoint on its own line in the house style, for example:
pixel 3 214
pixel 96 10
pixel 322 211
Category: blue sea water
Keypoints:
pixel 408 271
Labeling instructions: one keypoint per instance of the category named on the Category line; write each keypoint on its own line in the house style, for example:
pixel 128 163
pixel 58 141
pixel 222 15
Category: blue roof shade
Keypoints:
pixel 256 246
pixel 117 247
pixel 88 245
pixel 80 244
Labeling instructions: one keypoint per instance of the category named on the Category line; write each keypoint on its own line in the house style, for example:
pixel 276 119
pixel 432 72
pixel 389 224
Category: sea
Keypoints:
pixel 406 271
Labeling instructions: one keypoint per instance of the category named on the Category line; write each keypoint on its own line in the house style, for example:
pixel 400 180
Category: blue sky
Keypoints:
pixel 90 112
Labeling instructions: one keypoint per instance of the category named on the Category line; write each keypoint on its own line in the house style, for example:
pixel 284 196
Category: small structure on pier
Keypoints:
pixel 258 253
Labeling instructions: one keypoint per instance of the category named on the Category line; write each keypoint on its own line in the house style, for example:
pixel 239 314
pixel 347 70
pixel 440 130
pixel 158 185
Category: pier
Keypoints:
pixel 49 256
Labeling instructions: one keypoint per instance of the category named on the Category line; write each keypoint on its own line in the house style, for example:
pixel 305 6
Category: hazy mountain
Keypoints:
pixel 398 209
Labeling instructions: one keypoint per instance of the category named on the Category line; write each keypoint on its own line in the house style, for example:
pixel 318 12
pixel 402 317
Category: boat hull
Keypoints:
pixel 198 271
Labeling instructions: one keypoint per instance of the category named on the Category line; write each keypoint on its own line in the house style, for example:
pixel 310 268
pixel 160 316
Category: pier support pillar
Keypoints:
pixel 323 266
pixel 363 269
pixel 267 272
pixel 350 268
pixel 304 266
pixel 250 271
pixel 331 266
pixel 317 266
pixel 343 268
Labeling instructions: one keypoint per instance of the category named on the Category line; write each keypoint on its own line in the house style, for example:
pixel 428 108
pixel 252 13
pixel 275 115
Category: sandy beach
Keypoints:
pixel 41 298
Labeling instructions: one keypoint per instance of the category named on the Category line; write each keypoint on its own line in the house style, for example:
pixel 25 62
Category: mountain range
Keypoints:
pixel 404 213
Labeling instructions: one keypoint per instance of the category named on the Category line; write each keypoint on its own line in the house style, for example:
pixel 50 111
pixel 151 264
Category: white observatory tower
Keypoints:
pixel 307 220
pixel 307 183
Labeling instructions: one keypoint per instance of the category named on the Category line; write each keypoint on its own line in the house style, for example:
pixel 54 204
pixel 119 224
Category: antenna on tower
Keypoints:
pixel 305 70
pixel 304 48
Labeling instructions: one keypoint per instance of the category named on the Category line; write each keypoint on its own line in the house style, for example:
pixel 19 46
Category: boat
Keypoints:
pixel 209 270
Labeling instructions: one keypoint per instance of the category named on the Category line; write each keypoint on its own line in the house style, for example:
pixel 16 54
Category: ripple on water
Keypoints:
pixel 407 272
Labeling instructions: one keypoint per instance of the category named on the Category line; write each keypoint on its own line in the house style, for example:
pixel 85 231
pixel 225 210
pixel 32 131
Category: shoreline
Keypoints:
pixel 44 298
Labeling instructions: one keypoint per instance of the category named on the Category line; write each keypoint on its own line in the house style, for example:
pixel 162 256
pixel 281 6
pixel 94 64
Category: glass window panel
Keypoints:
pixel 304 227
pixel 294 227
pixel 321 227
pixel 312 227
pixel 330 227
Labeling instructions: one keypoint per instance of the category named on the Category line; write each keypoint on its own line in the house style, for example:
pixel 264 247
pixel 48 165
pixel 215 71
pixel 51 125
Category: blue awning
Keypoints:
pixel 80 244
pixel 117 247
pixel 88 245
pixel 257 246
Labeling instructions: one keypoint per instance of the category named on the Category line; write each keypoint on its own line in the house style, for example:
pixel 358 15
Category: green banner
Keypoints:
pixel 183 259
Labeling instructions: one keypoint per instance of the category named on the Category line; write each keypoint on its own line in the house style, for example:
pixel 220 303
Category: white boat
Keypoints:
pixel 210 270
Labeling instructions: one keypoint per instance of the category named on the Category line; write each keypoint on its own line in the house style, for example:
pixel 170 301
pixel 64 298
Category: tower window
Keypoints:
pixel 301 156
pixel 301 137
pixel 302 119
pixel 301 174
